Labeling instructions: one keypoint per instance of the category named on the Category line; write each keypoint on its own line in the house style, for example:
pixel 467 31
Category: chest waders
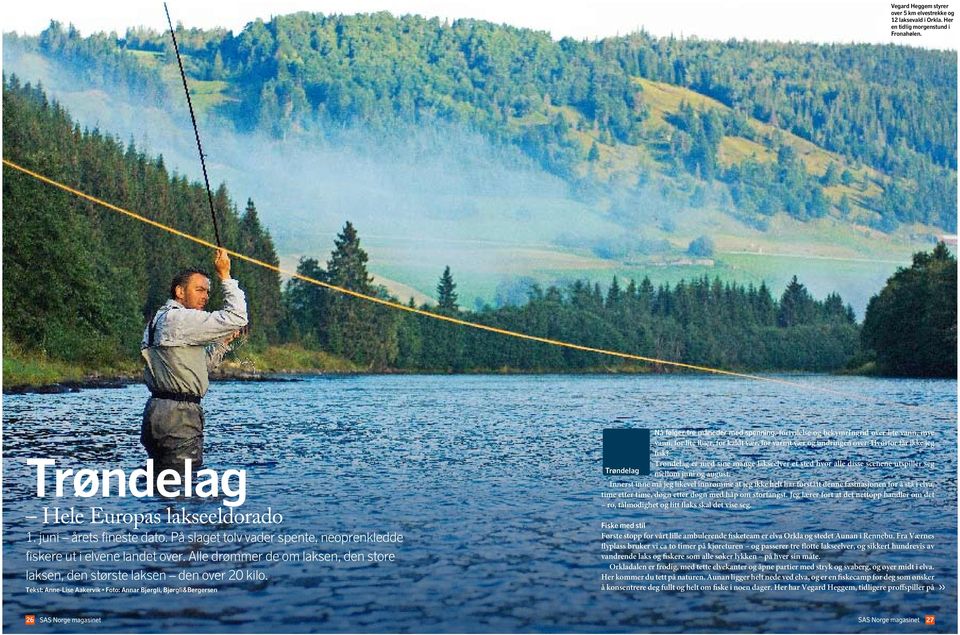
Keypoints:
pixel 173 418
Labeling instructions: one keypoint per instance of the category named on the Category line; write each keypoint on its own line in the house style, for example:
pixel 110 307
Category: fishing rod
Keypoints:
pixel 196 131
pixel 245 331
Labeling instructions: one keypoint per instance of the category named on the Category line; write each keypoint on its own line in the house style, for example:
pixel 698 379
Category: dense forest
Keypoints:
pixel 80 281
pixel 911 325
pixel 885 114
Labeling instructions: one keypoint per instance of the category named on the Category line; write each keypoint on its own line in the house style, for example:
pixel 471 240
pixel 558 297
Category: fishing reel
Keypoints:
pixel 242 338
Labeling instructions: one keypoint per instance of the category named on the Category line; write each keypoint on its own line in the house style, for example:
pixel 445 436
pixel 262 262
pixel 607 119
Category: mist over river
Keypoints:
pixel 476 503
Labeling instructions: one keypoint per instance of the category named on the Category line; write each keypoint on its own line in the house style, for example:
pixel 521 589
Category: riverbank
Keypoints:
pixel 39 376
pixel 35 373
pixel 25 373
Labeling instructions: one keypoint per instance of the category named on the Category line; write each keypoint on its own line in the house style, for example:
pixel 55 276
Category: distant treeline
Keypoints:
pixel 79 282
pixel 892 108
pixel 703 322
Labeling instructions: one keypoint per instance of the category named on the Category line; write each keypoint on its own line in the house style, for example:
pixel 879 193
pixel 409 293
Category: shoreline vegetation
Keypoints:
pixel 925 294
pixel 29 372
pixel 25 372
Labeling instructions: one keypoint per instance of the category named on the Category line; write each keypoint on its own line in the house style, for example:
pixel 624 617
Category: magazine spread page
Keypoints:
pixel 406 316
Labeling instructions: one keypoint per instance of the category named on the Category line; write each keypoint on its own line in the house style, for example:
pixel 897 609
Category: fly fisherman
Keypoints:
pixel 181 344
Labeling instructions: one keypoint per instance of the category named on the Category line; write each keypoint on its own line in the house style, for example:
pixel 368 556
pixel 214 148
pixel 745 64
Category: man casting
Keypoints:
pixel 181 344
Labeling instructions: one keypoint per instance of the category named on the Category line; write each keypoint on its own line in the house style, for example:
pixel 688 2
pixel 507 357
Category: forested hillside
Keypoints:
pixel 863 133
pixel 79 281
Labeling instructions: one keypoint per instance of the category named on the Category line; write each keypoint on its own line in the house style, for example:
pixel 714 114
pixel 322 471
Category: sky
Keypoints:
pixel 782 20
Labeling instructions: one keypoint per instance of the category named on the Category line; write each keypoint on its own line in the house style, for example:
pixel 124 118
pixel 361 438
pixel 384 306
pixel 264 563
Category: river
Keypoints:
pixel 494 484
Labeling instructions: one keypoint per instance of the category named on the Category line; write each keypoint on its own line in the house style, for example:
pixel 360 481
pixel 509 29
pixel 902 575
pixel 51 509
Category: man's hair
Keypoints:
pixel 182 278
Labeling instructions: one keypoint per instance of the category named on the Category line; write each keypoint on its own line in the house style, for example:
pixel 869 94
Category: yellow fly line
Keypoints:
pixel 436 316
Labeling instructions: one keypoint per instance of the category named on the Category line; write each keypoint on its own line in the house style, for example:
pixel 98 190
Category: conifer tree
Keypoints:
pixel 796 305
pixel 446 292
pixel 305 306
pixel 594 154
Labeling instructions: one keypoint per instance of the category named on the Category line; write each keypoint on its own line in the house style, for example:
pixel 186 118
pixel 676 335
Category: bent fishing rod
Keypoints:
pixel 196 131
pixel 245 331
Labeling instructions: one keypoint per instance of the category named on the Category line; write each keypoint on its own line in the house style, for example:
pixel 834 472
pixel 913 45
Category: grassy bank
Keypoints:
pixel 289 358
pixel 26 369
pixel 31 369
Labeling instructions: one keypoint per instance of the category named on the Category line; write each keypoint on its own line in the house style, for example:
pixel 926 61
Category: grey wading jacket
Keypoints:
pixel 186 343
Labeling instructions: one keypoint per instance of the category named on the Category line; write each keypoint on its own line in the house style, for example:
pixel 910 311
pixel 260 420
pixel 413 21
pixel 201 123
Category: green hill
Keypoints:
pixel 879 115
pixel 790 157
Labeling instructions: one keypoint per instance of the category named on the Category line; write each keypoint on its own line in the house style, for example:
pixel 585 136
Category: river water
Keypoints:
pixel 495 484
